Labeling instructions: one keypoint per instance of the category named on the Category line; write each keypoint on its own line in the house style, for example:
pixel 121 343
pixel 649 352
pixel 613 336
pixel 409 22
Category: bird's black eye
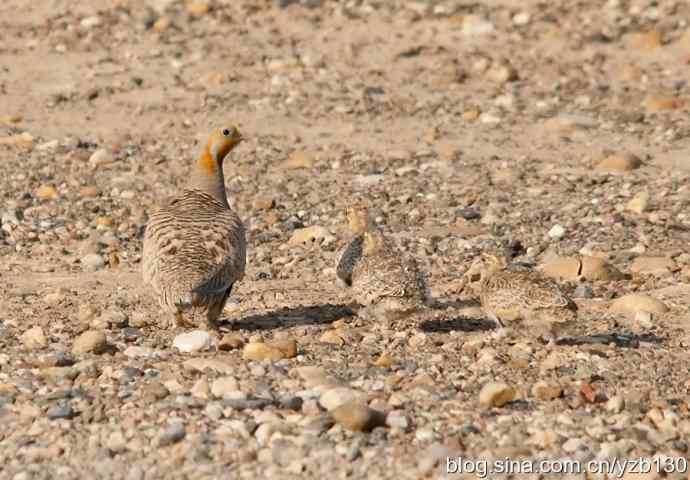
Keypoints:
pixel 226 132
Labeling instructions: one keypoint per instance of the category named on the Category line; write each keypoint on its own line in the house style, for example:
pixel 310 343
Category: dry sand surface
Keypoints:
pixel 561 125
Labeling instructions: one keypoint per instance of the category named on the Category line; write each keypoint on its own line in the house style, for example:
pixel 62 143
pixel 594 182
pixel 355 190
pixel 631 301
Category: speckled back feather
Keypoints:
pixel 385 274
pixel 194 250
pixel 524 290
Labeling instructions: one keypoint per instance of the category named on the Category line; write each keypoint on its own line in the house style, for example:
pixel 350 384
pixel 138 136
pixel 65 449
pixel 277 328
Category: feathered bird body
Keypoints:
pixel 194 247
pixel 512 294
pixel 382 279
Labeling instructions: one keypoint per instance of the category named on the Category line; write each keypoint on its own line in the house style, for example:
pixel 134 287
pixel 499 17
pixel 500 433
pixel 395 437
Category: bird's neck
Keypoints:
pixel 207 176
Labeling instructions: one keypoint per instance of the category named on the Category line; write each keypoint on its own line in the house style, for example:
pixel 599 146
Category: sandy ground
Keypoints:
pixel 465 125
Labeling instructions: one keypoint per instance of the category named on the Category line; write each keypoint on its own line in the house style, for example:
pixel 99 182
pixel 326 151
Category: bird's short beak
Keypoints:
pixel 238 137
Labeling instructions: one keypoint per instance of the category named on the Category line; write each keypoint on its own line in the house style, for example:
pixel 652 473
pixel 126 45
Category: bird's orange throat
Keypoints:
pixel 207 163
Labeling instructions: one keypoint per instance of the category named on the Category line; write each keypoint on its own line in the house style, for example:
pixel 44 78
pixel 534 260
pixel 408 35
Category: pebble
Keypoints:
pixel 657 266
pixel 50 145
pixel 662 103
pixel 299 159
pixel 173 434
pixel 91 341
pixel 496 395
pixel 224 387
pixel 155 391
pixel 100 158
pixel 573 444
pixel 92 262
pixel 230 342
pixel 201 389
pixel 263 202
pixel 384 361
pixel 162 24
pixel 291 402
pixel 89 192
pixel 619 163
pixel 274 351
pixel 34 338
pixel 522 18
pixel 468 213
pixel 213 364
pixel 476 25
pixel 24 138
pixel 585 267
pixel 557 232
pixel 61 410
pixel 311 235
pixel 198 8
pixel 447 151
pixel 500 73
pixel 46 192
pixel 136 351
pixel 358 417
pixel 397 419
pixel 425 435
pixel 191 342
pixel 635 302
pixel 644 40
pixel 639 203
pixel 335 397
pixel 615 404
pixel 332 337
pixel 583 291
pixel 313 376
pixel 644 319
pixel 545 391
pixel 90 22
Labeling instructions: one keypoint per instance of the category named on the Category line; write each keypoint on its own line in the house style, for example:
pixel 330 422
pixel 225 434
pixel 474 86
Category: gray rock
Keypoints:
pixel 247 403
pixel 61 410
pixel 290 402
pixel 92 262
pixel 173 434
pixel 583 291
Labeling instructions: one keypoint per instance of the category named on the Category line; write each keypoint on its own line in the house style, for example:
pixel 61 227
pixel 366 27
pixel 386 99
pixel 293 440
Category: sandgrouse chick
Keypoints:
pixel 194 247
pixel 510 294
pixel 383 280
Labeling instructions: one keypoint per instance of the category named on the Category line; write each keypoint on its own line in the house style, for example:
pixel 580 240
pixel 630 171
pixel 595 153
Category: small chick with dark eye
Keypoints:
pixel 194 247
pixel 515 294
pixel 386 282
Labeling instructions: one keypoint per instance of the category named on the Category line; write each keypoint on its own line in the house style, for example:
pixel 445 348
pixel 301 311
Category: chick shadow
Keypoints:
pixel 290 317
pixel 620 340
pixel 459 324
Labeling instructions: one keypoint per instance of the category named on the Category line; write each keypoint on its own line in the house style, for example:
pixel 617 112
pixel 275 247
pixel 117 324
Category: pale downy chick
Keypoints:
pixel 195 247
pixel 514 294
pixel 386 282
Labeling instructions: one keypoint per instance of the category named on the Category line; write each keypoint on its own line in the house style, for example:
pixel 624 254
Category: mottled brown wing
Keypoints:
pixel 348 258
pixel 193 247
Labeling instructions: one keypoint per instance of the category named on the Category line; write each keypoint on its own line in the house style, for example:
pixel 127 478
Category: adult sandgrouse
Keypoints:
pixel 514 293
pixel 386 282
pixel 194 247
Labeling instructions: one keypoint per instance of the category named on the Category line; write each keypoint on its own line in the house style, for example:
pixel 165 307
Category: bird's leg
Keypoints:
pixel 177 320
pixel 216 309
pixel 494 318
pixel 365 314
pixel 212 318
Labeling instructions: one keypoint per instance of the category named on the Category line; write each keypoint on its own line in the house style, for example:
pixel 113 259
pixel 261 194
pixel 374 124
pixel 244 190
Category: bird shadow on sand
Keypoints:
pixel 289 317
pixel 621 340
pixel 460 324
